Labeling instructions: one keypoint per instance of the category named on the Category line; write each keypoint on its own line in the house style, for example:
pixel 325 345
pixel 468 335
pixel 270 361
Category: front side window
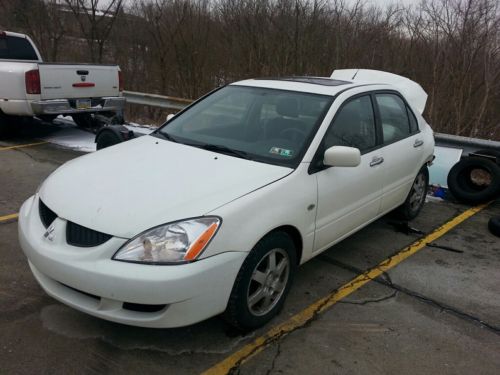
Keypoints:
pixel 353 126
pixel 266 125
pixel 394 117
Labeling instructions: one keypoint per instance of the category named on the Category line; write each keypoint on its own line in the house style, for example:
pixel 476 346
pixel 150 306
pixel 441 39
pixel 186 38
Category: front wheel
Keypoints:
pixel 416 197
pixel 263 282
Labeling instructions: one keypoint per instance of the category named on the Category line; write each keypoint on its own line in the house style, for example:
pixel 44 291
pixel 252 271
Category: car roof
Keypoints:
pixel 313 85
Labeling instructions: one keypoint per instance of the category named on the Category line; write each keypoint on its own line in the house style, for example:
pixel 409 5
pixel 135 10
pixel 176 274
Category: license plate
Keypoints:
pixel 83 104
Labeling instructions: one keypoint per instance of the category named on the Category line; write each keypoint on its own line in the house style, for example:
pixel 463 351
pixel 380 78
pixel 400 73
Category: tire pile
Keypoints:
pixel 476 179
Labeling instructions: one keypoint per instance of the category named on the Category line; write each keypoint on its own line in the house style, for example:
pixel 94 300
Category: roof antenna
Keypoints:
pixel 354 76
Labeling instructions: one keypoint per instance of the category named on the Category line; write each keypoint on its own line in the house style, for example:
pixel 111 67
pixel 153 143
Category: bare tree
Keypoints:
pixel 95 22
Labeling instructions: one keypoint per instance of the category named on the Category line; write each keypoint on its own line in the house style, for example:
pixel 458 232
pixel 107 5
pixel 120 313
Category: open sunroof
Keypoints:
pixel 311 80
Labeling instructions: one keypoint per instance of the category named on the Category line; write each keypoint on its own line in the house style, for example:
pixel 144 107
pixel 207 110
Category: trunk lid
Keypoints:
pixel 411 90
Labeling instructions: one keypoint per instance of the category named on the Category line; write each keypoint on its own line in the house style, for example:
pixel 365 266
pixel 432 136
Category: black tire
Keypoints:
pixel 4 125
pixel 9 124
pixel 83 120
pixel 238 312
pixel 107 138
pixel 494 226
pixel 415 200
pixel 466 188
pixel 47 118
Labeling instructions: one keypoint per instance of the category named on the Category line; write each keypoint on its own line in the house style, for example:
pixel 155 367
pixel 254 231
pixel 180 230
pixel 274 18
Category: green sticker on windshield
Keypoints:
pixel 281 152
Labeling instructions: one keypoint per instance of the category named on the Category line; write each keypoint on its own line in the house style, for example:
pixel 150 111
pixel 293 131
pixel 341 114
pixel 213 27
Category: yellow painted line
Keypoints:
pixel 8 217
pixel 310 312
pixel 21 146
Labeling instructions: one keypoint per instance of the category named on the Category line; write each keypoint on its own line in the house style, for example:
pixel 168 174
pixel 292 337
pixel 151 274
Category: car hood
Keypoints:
pixel 131 187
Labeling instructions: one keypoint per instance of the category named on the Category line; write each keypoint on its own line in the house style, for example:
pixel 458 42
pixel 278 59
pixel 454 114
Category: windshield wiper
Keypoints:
pixel 225 150
pixel 166 136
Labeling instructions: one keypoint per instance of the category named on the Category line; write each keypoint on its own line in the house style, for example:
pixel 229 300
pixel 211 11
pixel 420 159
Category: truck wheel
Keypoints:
pixel 262 283
pixel 474 180
pixel 83 120
pixel 5 125
pixel 47 118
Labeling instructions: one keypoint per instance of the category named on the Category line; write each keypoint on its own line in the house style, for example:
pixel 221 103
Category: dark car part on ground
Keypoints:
pixel 474 180
pixel 111 135
pixel 492 155
pixel 494 225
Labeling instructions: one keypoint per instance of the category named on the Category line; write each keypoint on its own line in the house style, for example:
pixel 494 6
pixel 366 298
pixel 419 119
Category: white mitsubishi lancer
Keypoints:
pixel 213 212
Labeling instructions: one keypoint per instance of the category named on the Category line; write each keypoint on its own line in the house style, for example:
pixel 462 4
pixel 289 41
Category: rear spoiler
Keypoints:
pixel 412 91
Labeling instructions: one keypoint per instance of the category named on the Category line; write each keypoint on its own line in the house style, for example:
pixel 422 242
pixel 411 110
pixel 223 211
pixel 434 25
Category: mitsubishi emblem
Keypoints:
pixel 49 233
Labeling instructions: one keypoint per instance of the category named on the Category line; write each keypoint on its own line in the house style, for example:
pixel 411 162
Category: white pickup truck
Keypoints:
pixel 29 87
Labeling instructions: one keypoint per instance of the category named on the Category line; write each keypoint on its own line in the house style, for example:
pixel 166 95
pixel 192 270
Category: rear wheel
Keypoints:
pixel 263 282
pixel 6 125
pixel 416 197
pixel 83 120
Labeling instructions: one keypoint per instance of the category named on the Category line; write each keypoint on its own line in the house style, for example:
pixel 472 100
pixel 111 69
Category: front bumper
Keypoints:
pixel 141 295
pixel 63 106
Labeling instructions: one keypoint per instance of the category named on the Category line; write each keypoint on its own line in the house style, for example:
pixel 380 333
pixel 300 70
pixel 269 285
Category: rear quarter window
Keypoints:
pixel 15 48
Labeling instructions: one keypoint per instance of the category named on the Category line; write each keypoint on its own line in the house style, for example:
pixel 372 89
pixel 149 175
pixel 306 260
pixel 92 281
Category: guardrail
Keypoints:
pixel 445 140
pixel 465 143
pixel 154 100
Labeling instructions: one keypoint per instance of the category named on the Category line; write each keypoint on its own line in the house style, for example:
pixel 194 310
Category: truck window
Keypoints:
pixel 15 48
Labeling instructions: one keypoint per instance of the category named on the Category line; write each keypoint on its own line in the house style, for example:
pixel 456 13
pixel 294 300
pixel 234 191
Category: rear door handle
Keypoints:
pixel 418 143
pixel 376 161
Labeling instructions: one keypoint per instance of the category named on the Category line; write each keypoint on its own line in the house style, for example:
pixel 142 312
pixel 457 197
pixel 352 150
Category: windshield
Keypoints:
pixel 266 125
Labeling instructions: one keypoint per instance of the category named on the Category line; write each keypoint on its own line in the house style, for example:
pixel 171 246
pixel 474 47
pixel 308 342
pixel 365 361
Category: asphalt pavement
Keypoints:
pixel 436 311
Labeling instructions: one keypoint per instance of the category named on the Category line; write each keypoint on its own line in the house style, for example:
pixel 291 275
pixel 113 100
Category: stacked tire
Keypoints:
pixel 476 179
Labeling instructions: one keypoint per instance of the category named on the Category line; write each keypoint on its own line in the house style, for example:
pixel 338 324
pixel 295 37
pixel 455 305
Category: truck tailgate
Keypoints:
pixel 69 81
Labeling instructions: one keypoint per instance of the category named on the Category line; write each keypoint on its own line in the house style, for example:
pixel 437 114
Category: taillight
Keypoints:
pixel 32 79
pixel 120 81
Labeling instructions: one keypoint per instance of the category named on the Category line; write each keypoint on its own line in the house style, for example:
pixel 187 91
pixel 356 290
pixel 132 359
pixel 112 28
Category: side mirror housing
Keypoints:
pixel 170 116
pixel 342 156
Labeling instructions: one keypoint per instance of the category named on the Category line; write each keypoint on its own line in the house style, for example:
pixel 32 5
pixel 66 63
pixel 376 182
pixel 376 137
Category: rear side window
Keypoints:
pixel 354 126
pixel 394 117
pixel 413 121
pixel 15 48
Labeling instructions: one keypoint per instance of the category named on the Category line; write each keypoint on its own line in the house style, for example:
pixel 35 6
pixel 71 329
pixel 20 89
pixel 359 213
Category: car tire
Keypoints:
pixel 463 186
pixel 83 120
pixel 107 138
pixel 260 289
pixel 494 226
pixel 415 200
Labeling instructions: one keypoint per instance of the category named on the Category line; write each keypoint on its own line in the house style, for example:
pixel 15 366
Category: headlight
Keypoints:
pixel 182 241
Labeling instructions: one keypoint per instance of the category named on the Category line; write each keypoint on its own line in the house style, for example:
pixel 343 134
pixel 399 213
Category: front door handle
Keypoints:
pixel 376 161
pixel 418 143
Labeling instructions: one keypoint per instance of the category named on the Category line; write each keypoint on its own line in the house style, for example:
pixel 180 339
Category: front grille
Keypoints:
pixel 46 214
pixel 76 235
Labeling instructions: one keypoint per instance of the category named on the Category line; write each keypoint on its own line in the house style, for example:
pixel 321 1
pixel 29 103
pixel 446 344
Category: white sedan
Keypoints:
pixel 213 212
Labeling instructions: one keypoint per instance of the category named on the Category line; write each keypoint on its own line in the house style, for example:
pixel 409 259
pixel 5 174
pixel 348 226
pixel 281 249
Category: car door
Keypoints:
pixel 349 197
pixel 402 147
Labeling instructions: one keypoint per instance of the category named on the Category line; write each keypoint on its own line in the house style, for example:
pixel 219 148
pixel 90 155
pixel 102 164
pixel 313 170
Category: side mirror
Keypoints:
pixel 342 156
pixel 170 116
